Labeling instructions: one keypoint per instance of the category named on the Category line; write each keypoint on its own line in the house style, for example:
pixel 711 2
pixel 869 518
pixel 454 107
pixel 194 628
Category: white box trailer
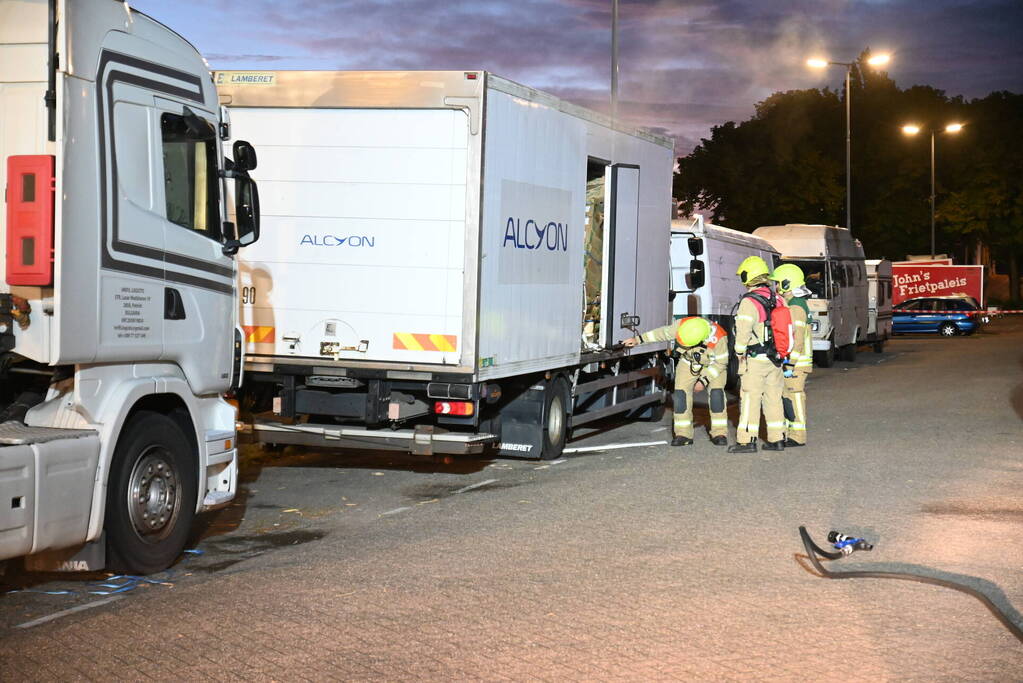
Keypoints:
pixel 117 288
pixel 704 261
pixel 879 302
pixel 833 262
pixel 425 253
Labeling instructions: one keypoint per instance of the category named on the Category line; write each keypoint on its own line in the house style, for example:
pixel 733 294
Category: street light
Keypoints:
pixel 822 63
pixel 913 129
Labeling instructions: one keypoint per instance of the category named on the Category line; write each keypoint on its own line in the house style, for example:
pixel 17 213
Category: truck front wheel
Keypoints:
pixel 151 495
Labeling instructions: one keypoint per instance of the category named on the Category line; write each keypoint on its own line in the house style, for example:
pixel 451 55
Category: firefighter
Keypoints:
pixel 761 380
pixel 701 352
pixel 791 284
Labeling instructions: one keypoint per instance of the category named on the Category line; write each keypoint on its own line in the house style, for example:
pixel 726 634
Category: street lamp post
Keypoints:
pixel 912 129
pixel 821 63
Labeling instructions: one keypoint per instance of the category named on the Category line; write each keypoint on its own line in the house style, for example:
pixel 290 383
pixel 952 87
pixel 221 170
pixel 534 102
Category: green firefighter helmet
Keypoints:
pixel 789 276
pixel 692 331
pixel 752 267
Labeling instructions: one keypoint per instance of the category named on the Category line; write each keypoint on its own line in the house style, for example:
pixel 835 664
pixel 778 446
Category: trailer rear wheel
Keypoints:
pixel 555 419
pixel 151 495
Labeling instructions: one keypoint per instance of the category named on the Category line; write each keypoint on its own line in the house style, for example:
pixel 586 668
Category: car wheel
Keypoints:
pixel 948 329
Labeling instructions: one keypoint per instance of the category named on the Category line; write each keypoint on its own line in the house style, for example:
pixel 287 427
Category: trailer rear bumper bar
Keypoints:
pixel 423 440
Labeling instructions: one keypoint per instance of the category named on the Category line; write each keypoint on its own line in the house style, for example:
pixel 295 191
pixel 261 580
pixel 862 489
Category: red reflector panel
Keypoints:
pixel 30 220
pixel 460 408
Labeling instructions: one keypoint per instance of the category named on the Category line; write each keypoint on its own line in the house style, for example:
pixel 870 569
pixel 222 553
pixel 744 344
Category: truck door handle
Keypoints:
pixel 173 305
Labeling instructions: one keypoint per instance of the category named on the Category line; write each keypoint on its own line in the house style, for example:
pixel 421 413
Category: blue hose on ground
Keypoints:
pixel 813 550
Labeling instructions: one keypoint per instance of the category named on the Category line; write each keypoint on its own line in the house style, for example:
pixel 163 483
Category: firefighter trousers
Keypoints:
pixel 685 382
pixel 760 390
pixel 794 402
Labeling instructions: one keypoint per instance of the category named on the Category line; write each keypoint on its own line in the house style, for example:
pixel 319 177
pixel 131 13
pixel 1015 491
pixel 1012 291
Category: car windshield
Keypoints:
pixel 816 277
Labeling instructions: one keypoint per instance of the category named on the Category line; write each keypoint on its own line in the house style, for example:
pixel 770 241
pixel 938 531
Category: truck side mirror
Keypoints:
pixel 244 156
pixel 246 212
pixel 695 246
pixel 697 273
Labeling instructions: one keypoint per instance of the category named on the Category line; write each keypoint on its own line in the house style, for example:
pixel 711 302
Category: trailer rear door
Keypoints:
pixel 364 216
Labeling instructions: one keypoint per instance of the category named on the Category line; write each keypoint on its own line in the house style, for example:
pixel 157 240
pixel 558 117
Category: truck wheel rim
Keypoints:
pixel 154 495
pixel 555 421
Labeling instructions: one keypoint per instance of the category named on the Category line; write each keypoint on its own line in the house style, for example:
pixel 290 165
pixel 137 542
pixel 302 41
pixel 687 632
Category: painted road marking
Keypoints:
pixel 72 610
pixel 470 487
pixel 394 511
pixel 614 447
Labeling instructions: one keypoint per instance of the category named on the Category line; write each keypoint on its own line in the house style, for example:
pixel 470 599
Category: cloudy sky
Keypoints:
pixel 685 65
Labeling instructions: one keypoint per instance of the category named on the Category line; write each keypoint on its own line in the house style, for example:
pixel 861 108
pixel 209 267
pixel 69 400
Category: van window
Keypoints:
pixel 815 273
pixel 838 278
pixel 190 175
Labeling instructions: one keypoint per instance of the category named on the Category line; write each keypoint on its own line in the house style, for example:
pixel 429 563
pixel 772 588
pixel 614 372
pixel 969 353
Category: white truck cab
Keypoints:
pixel 832 260
pixel 118 315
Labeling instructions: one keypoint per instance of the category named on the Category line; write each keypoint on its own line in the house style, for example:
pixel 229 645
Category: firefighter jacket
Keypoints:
pixel 709 359
pixel 749 329
pixel 802 342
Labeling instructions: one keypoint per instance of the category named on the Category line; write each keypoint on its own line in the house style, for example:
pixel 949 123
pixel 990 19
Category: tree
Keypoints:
pixel 787 165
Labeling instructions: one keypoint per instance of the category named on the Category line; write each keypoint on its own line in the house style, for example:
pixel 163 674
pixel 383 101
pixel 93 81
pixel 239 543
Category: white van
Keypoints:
pixel 704 261
pixel 836 275
pixel 879 297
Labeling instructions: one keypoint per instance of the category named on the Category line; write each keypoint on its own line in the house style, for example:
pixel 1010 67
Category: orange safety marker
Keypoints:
pixel 410 341
pixel 259 334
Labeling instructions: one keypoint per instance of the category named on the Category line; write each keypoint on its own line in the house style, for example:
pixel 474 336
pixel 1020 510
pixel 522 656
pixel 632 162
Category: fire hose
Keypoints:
pixel 845 545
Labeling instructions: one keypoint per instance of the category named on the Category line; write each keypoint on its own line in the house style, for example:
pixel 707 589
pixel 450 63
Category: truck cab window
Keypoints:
pixel 190 176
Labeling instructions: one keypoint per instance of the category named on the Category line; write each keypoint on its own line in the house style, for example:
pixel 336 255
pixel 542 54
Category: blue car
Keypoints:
pixel 944 315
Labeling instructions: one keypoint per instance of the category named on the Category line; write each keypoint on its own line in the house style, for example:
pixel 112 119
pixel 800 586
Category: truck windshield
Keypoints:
pixel 816 273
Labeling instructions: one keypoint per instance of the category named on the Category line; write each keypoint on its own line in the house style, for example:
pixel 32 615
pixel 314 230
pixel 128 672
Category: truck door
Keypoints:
pixel 623 227
pixel 198 317
pixel 167 287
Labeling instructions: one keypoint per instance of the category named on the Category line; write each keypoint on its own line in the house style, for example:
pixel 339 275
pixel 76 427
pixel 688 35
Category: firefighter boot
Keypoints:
pixel 750 447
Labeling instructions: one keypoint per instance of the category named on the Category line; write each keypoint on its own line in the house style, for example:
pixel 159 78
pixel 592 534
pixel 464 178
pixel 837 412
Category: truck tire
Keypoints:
pixel 151 495
pixel 879 346
pixel 555 419
pixel 849 352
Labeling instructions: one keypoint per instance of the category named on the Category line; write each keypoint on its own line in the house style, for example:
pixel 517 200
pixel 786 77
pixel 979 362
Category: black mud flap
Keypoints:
pixel 522 422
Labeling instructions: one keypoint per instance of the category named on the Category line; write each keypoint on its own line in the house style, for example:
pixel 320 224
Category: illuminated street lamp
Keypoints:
pixel 913 129
pixel 822 63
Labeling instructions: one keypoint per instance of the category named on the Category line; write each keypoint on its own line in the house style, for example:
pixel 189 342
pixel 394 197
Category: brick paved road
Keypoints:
pixel 645 564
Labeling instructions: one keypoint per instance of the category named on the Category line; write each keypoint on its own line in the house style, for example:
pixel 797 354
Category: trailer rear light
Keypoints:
pixel 30 185
pixel 460 408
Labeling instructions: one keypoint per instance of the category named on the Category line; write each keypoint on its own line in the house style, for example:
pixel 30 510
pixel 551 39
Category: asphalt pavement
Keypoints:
pixel 633 563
